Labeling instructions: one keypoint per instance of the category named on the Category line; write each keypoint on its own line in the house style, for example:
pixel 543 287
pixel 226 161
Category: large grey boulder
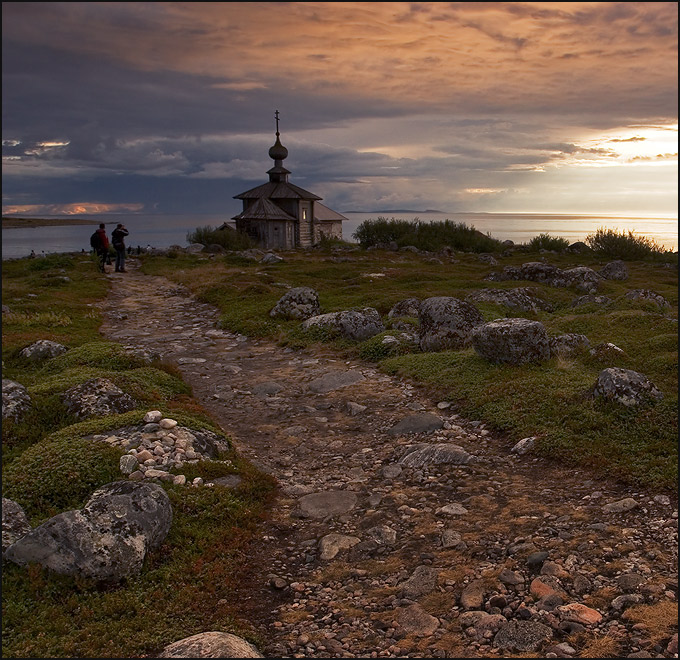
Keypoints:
pixel 98 396
pixel 446 323
pixel 645 295
pixel 15 524
pixel 408 307
pixel 522 298
pixel 211 645
pixel 583 278
pixel 568 345
pixel 614 270
pixel 106 540
pixel 625 386
pixel 354 324
pixel 15 400
pixel 43 349
pixel 301 303
pixel 419 455
pixel 512 341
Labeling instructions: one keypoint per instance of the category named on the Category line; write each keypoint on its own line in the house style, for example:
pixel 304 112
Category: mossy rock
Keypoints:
pixel 98 354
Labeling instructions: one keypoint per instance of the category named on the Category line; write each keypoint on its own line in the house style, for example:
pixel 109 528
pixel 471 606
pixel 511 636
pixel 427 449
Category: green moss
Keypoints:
pixel 96 354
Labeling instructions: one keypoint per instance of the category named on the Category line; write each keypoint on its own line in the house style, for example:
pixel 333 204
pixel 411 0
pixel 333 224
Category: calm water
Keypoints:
pixel 164 231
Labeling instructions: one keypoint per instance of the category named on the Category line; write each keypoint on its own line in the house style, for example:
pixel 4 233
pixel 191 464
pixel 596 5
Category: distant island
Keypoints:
pixel 382 212
pixel 22 223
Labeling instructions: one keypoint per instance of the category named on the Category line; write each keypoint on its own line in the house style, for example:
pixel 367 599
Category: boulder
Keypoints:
pixel 107 539
pixel 614 270
pixel 352 324
pixel 331 544
pixel 327 503
pixel 522 298
pixel 578 247
pixel 15 400
pixel 512 341
pixel 582 278
pixel 271 258
pixel 414 620
pixel 43 349
pixel 606 351
pixel 522 636
pixel 417 423
pixel 299 303
pixel 15 524
pixel 568 345
pixel 625 386
pixel 98 396
pixel 420 455
pixel 335 380
pixel 211 645
pixel 422 581
pixel 195 248
pixel 446 323
pixel 408 307
pixel 645 295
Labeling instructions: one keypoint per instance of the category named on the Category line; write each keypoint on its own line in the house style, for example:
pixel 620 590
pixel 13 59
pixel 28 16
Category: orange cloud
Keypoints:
pixel 78 208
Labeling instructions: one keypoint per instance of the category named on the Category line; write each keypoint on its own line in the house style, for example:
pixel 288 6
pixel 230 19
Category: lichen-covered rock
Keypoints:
pixel 105 540
pixel 15 524
pixel 512 341
pixel 614 270
pixel 352 324
pixel 581 277
pixel 645 295
pixel 522 636
pixel 98 396
pixel 568 345
pixel 271 258
pixel 422 454
pixel 43 349
pixel 522 298
pixel 606 351
pixel 211 645
pixel 15 400
pixel 625 386
pixel 299 303
pixel 446 323
pixel 408 307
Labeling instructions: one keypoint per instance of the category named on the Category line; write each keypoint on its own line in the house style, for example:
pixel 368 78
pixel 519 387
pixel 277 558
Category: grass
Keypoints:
pixel 192 583
pixel 622 245
pixel 551 401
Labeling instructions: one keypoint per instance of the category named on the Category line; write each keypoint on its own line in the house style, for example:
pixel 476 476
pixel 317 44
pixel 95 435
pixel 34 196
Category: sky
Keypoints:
pixel 155 107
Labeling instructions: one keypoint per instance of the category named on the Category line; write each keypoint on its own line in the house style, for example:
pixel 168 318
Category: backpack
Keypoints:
pixel 95 241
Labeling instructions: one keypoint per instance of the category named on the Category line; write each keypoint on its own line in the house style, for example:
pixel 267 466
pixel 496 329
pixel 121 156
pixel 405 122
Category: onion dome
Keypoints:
pixel 278 151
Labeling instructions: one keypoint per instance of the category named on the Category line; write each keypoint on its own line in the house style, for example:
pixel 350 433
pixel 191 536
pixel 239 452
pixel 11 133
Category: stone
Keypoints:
pixel 606 351
pixel 629 581
pixel 16 401
pixel 453 509
pixel 524 446
pixel 105 540
pixel 354 408
pixel 414 620
pixel 153 417
pixel 522 636
pixel 43 349
pixel 512 341
pixel 167 423
pixel 15 524
pixel 97 397
pixel 417 423
pixel 614 270
pixel 128 464
pixel 327 503
pixel 452 539
pixel 535 560
pixel 211 645
pixel 335 380
pixel 271 258
pixel 523 299
pixel 545 585
pixel 331 544
pixel 626 387
pixel 382 535
pixel 409 307
pixel 269 388
pixel 420 455
pixel 423 580
pixel 358 324
pixel 591 299
pixel 512 578
pixel 620 506
pixel 472 596
pixel 446 323
pixel 579 613
pixel 297 303
pixel 568 345
pixel 645 295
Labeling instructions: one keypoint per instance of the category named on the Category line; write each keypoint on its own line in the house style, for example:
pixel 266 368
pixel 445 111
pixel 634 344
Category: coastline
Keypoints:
pixel 25 223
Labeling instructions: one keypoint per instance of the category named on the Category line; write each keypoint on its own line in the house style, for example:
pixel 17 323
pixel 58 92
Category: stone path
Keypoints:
pixel 377 548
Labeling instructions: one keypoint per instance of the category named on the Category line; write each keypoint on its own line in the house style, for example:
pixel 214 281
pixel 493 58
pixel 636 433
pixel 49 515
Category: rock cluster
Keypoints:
pixel 521 298
pixel 645 295
pixel 581 277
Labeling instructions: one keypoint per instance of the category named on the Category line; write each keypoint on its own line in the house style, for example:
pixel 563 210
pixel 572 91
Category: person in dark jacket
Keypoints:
pixel 101 246
pixel 118 238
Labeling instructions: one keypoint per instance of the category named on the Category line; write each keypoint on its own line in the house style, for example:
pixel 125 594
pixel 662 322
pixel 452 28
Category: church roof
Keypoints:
pixel 277 190
pixel 263 209
pixel 322 212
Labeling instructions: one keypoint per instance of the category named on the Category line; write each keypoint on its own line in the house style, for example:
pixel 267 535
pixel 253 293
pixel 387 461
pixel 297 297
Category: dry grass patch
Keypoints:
pixel 375 567
pixel 598 647
pixel 295 616
pixel 335 572
pixel 611 568
pixel 601 598
pixel 660 619
pixel 456 574
pixel 438 604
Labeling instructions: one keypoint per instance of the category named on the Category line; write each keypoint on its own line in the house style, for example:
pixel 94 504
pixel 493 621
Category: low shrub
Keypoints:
pixel 621 245
pixel 374 350
pixel 96 354
pixel 227 238
pixel 548 242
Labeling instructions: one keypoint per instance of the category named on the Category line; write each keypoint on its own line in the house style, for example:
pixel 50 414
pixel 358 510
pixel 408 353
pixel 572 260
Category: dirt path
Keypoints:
pixel 523 555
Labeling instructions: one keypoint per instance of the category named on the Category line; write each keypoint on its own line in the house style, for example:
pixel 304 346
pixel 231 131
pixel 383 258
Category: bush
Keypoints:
pixel 547 242
pixel 55 476
pixel 619 245
pixel 227 238
pixel 430 236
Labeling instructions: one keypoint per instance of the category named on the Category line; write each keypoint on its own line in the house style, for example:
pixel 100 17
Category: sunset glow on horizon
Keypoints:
pixel 546 107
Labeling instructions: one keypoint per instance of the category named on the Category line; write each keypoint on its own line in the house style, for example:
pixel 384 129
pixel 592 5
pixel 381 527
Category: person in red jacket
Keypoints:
pixel 102 247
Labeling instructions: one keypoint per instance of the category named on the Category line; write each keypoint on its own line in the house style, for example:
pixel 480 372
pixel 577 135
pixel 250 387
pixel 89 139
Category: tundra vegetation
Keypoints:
pixel 192 581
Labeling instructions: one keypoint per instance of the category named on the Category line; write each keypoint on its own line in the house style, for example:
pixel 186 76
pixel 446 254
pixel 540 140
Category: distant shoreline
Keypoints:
pixel 23 223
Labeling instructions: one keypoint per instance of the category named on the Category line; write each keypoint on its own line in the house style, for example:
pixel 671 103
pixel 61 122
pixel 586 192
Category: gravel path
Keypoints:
pixel 381 545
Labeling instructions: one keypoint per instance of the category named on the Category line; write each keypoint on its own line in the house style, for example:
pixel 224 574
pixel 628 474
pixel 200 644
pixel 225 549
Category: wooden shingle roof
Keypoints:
pixel 277 190
pixel 322 212
pixel 263 209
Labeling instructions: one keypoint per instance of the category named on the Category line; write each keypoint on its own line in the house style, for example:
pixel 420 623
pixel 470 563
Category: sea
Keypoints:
pixel 162 231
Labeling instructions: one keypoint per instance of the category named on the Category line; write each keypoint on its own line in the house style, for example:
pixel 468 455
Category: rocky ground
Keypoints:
pixel 381 546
